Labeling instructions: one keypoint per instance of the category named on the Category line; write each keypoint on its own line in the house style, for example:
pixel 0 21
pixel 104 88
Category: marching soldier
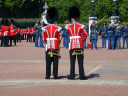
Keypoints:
pixel 51 34
pixel 111 35
pixel 76 48
pixel 103 32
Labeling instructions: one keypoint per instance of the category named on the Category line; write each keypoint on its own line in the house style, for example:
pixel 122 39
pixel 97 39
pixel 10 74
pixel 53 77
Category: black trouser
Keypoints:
pixel 49 61
pixel 33 38
pixel 80 59
pixel 4 40
pixel 18 37
pixel 30 38
pixel 14 40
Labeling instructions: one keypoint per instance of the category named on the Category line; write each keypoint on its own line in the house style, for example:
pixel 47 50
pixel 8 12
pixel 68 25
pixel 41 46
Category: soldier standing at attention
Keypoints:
pixel 76 49
pixel 51 36
pixel 5 34
pixel 12 29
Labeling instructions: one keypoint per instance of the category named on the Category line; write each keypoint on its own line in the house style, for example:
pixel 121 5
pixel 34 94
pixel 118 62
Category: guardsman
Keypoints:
pixel 76 49
pixel 5 34
pixel 118 34
pixel 18 34
pixel 51 34
pixel 28 34
pixel 0 33
pixel 33 33
pixel 94 36
pixel 103 32
pixel 12 30
pixel 111 35
pixel 125 36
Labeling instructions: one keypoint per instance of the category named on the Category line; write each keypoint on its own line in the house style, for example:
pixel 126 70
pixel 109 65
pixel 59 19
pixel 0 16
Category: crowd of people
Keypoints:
pixel 111 34
pixel 9 33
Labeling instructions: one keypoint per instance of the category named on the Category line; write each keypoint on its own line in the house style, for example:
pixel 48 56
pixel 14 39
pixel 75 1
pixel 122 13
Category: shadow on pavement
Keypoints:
pixel 93 76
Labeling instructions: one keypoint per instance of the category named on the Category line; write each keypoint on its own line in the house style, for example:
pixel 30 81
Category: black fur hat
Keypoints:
pixel 6 22
pixel 12 21
pixel 74 12
pixel 52 15
pixel 3 21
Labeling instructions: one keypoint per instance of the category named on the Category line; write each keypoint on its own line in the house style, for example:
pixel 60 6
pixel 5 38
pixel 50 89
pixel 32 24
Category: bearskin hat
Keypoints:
pixel 3 21
pixel 74 12
pixel 6 22
pixel 12 21
pixel 52 15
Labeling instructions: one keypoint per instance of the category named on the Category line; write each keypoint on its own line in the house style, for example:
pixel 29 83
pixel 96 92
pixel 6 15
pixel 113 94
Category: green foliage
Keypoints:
pixel 34 8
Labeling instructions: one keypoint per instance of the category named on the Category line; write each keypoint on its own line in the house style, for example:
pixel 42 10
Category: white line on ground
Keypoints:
pixel 38 82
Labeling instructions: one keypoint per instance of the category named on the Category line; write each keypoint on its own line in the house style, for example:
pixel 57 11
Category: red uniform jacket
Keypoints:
pixel 18 31
pixel 51 36
pixel 33 31
pixel 28 31
pixel 12 30
pixel 0 32
pixel 5 31
pixel 25 31
pixel 75 31
pixel 22 31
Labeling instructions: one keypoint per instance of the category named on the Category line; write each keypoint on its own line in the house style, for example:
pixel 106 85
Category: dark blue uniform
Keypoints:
pixel 38 34
pixel 66 37
pixel 103 32
pixel 125 37
pixel 118 33
pixel 93 38
pixel 111 35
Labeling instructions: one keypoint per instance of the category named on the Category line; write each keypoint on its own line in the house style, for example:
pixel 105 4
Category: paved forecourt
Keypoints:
pixel 22 72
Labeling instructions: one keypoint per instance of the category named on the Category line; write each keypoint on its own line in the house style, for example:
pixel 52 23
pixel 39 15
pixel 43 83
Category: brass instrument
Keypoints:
pixel 53 52
pixel 78 52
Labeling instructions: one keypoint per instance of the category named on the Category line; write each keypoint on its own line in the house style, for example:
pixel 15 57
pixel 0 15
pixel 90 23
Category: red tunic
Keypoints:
pixel 52 36
pixel 33 31
pixel 5 31
pixel 12 30
pixel 0 32
pixel 18 31
pixel 28 31
pixel 75 30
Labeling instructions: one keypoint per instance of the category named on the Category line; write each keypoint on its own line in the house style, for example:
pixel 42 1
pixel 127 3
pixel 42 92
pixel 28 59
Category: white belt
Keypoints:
pixel 51 38
pixel 72 37
pixel 11 30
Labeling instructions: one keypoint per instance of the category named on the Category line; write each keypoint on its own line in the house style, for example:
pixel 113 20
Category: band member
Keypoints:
pixel 118 33
pixel 111 35
pixel 125 36
pixel 103 32
pixel 12 30
pixel 5 34
pixel 51 34
pixel 94 35
pixel 75 30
